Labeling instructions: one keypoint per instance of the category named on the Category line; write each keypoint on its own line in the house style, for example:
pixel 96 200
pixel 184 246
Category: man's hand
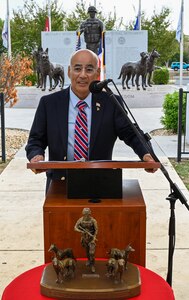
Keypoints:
pixel 35 159
pixel 147 157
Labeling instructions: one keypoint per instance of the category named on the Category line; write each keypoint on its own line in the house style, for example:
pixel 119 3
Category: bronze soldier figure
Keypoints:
pixel 88 227
pixel 92 28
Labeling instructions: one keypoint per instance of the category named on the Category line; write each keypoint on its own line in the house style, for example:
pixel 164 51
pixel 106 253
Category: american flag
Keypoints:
pixel 47 27
pixel 101 57
pixel 78 42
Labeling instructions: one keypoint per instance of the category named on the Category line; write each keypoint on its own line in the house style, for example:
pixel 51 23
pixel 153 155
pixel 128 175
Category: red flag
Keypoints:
pixel 47 27
pixel 78 43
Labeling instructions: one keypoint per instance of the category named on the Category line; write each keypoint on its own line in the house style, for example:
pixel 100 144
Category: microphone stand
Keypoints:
pixel 175 192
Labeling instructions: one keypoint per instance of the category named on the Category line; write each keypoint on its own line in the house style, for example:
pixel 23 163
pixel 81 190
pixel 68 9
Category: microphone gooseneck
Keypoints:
pixel 97 86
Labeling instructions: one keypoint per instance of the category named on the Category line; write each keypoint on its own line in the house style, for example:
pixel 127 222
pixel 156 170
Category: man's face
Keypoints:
pixel 82 71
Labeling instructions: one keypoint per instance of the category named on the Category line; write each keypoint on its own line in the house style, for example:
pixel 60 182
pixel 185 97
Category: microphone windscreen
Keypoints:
pixel 94 88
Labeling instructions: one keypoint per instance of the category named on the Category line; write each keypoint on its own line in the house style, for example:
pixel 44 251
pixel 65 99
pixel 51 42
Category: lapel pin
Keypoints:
pixel 97 106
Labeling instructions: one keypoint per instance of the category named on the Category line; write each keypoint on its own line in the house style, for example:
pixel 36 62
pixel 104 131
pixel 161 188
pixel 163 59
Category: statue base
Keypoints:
pixel 86 285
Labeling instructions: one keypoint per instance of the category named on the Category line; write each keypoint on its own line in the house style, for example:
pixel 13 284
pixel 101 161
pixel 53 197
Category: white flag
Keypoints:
pixel 5 33
pixel 179 26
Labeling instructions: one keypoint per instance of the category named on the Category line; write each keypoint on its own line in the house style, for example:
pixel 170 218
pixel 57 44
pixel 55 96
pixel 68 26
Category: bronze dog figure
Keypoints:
pixel 150 67
pixel 134 69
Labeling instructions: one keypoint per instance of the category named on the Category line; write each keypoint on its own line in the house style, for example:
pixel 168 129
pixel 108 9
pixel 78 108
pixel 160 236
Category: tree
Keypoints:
pixel 159 35
pixel 176 56
pixel 74 19
pixel 28 23
pixel 13 71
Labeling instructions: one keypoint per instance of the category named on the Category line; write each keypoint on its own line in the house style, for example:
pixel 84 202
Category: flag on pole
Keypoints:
pixel 179 37
pixel 47 27
pixel 49 15
pixel 104 53
pixel 5 33
pixel 101 57
pixel 78 42
pixel 178 31
pixel 136 26
pixel 179 27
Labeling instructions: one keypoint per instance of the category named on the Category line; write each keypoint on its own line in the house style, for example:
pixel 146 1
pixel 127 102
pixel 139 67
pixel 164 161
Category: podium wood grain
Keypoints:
pixel 120 221
pixel 97 164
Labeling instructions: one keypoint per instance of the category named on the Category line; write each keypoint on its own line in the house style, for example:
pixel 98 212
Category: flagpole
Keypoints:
pixel 181 43
pixel 139 16
pixel 137 25
pixel 49 14
pixel 9 32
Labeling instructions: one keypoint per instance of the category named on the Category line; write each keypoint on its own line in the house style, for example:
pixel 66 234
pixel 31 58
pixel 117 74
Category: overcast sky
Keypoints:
pixel 127 9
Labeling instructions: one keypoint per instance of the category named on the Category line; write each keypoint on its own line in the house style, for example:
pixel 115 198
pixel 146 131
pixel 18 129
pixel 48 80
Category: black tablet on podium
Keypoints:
pixel 94 183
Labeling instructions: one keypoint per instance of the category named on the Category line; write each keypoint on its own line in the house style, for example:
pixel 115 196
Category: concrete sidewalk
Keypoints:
pixel 22 197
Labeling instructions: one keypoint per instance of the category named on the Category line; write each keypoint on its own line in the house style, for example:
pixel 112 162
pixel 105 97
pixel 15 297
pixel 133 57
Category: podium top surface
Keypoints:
pixel 97 164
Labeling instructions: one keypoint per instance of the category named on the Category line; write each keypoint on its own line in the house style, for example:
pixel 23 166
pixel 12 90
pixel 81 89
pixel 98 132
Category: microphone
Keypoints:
pixel 97 86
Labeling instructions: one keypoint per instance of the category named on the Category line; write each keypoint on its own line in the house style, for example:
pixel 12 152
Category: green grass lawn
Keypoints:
pixel 182 169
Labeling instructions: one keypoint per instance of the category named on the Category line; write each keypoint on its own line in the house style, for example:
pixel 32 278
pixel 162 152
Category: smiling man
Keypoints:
pixel 75 124
pixel 82 71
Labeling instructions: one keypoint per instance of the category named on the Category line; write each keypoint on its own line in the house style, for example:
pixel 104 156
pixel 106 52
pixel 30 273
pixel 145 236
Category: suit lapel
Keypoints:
pixel 97 115
pixel 62 117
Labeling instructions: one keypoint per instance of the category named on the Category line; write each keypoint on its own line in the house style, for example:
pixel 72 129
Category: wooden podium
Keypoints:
pixel 120 221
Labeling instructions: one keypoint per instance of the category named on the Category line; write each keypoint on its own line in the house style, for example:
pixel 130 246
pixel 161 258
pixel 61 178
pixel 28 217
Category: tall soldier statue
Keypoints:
pixel 88 227
pixel 92 29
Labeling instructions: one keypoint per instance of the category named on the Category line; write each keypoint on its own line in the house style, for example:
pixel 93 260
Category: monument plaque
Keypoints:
pixel 120 46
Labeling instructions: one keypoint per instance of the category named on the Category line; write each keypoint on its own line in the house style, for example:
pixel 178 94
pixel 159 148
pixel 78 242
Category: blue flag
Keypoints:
pixel 136 26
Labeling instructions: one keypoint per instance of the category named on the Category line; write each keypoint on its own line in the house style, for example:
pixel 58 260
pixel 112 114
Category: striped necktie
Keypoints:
pixel 81 133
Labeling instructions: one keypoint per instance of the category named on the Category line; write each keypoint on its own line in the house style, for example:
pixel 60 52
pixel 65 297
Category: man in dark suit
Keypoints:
pixel 54 122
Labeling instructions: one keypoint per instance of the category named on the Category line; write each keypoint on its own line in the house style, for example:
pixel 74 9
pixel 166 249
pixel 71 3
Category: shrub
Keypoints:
pixel 161 76
pixel 12 72
pixel 170 109
pixel 30 78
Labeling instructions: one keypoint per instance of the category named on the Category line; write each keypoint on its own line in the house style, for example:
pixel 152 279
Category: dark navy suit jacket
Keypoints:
pixel 50 129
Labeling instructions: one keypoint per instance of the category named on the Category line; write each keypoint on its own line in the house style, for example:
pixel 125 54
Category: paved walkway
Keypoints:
pixel 22 197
